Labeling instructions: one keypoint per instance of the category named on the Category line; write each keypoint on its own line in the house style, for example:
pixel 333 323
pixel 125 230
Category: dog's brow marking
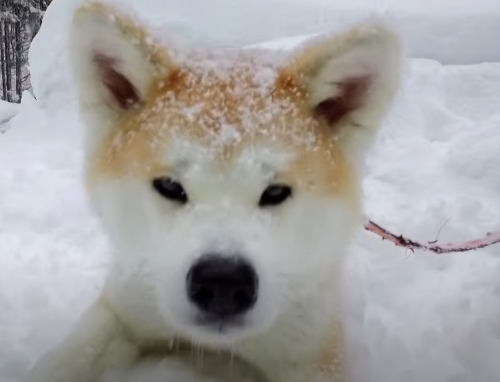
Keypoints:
pixel 224 103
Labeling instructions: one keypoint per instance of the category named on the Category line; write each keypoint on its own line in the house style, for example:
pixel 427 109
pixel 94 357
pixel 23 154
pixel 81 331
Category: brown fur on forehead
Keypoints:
pixel 226 107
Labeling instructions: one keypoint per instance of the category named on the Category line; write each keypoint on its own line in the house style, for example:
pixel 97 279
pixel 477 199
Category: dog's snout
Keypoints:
pixel 222 287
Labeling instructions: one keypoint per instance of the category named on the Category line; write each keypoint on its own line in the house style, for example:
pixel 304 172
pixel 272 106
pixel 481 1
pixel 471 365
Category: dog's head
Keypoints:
pixel 230 179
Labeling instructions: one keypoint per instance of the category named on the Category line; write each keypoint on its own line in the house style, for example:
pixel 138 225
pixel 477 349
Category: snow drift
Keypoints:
pixel 7 112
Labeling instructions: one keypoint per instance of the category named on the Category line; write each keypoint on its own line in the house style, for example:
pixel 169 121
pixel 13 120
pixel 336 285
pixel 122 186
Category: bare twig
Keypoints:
pixel 401 241
pixel 439 231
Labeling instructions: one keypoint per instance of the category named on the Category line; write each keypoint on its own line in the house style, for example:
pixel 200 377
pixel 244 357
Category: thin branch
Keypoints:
pixel 439 231
pixel 401 241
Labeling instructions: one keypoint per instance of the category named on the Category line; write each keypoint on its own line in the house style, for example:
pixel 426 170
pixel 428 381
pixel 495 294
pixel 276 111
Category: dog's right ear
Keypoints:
pixel 114 62
pixel 351 80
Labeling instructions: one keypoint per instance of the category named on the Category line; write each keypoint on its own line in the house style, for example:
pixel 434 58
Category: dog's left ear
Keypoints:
pixel 350 82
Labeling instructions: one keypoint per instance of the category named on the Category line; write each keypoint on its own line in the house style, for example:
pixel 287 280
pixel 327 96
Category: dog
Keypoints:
pixel 228 184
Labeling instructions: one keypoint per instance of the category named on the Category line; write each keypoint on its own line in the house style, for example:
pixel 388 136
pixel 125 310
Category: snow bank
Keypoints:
pixel 47 238
pixel 449 31
pixel 411 317
pixel 433 174
pixel 7 112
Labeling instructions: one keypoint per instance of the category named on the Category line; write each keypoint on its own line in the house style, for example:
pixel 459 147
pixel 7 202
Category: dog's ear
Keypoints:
pixel 114 62
pixel 350 82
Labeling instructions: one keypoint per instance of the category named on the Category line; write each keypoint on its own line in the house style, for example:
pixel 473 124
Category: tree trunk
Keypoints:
pixel 18 26
pixel 8 60
pixel 19 61
pixel 3 60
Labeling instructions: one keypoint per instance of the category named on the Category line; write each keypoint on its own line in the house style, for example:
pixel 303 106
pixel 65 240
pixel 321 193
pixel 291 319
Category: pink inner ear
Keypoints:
pixel 123 91
pixel 352 94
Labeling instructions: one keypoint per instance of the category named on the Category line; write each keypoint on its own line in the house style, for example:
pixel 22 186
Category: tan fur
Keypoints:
pixel 322 169
pixel 331 360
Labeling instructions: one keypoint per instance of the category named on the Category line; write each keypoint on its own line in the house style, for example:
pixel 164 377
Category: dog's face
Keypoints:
pixel 229 181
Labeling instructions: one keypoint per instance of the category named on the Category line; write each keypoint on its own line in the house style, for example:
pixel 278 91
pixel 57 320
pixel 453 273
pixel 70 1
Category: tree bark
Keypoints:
pixel 19 61
pixel 19 24
pixel 8 60
pixel 3 60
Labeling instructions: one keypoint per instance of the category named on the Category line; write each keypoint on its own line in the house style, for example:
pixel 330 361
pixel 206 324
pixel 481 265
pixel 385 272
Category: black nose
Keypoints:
pixel 222 287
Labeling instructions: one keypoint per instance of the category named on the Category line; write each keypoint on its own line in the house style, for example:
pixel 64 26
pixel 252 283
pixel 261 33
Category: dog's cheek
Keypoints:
pixel 317 231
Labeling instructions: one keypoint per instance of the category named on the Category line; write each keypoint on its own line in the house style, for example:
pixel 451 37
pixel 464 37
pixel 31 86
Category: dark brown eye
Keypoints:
pixel 170 189
pixel 275 195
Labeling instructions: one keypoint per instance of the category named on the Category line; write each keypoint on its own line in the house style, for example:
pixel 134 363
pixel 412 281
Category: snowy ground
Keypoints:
pixel 7 112
pixel 411 317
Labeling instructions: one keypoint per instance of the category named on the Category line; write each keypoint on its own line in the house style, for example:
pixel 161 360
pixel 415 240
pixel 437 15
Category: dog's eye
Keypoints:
pixel 170 189
pixel 274 195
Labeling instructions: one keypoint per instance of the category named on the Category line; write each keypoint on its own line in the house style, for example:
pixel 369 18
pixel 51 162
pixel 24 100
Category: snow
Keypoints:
pixel 431 317
pixel 411 317
pixel 7 112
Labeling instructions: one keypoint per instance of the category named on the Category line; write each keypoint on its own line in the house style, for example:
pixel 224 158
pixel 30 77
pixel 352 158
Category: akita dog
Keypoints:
pixel 228 182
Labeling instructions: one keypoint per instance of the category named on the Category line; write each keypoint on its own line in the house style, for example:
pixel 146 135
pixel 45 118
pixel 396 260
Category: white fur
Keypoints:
pixel 294 248
pixel 186 368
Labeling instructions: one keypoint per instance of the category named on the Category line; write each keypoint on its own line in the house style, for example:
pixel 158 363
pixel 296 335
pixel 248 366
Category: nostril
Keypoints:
pixel 204 296
pixel 222 286
pixel 243 297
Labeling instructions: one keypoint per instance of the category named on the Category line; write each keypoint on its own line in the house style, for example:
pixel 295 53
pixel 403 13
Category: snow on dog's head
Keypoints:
pixel 230 178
